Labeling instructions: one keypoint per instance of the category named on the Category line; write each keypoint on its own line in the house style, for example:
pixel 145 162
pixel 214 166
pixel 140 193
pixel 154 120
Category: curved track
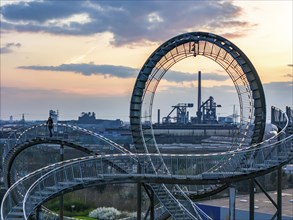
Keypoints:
pixel 28 138
pixel 266 157
pixel 67 135
pixel 233 61
pixel 112 163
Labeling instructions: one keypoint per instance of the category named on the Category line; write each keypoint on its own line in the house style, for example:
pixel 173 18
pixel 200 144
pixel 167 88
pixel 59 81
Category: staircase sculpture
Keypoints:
pixel 249 156
pixel 267 156
pixel 38 135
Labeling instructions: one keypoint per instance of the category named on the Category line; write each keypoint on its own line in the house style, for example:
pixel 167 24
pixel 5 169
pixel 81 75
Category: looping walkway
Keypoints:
pixel 111 163
pixel 201 169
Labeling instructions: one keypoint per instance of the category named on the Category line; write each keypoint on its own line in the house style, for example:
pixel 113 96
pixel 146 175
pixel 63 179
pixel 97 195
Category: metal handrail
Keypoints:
pixel 288 139
pixel 120 148
pixel 21 135
pixel 265 144
pixel 24 133
pixel 282 147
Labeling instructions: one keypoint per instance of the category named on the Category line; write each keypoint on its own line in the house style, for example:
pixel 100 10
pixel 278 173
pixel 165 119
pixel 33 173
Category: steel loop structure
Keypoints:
pixel 228 56
pixel 161 174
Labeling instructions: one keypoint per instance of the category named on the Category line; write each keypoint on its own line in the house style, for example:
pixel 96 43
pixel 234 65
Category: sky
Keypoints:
pixel 79 56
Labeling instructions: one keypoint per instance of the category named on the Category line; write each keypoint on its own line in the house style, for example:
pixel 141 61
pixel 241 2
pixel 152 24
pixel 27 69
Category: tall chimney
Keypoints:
pixel 159 116
pixel 199 98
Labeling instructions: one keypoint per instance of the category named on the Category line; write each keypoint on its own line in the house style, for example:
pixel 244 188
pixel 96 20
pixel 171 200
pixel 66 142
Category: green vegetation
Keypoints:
pixel 79 204
pixel 71 207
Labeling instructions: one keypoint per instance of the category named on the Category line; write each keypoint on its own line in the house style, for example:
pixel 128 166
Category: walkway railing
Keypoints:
pixel 182 167
pixel 199 168
pixel 63 132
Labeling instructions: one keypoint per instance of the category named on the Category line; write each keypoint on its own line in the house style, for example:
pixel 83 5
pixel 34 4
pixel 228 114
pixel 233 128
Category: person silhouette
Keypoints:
pixel 50 125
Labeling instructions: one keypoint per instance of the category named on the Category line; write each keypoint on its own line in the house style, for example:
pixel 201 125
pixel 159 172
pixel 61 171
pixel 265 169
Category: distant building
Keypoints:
pixel 87 118
pixel 90 119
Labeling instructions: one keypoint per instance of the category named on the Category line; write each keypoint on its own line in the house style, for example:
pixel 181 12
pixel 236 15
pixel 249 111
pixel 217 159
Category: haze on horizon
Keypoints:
pixel 84 56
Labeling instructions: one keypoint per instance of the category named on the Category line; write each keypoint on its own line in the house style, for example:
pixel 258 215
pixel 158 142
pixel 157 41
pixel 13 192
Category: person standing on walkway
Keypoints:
pixel 50 125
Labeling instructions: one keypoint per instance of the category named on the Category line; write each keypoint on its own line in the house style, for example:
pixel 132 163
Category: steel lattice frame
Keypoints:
pixel 222 51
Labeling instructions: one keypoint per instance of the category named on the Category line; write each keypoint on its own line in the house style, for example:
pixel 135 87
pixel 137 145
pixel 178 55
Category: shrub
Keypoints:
pixel 105 213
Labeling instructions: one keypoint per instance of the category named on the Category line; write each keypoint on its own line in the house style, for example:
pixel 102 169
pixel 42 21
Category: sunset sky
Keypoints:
pixel 84 56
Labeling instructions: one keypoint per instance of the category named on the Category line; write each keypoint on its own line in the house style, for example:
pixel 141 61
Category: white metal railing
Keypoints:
pixel 15 194
pixel 24 135
pixel 64 132
pixel 92 169
pixel 183 165
pixel 252 155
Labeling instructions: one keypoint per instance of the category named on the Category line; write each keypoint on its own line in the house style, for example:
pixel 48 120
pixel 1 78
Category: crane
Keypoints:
pixel 182 115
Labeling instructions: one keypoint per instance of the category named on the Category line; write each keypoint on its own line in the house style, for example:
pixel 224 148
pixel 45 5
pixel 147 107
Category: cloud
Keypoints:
pixel 40 11
pixel 235 34
pixel 279 94
pixel 288 75
pixel 278 85
pixel 130 22
pixel 8 48
pixel 230 28
pixel 121 72
pixel 89 69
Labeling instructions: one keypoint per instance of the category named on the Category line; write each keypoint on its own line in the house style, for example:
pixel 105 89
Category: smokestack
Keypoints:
pixel 159 116
pixel 199 97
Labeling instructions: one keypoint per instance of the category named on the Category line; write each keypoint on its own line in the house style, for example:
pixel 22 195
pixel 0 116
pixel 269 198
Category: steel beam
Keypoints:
pixel 138 212
pixel 151 208
pixel 39 213
pixel 279 194
pixel 61 202
pixel 251 199
pixel 232 192
pixel 152 217
pixel 267 195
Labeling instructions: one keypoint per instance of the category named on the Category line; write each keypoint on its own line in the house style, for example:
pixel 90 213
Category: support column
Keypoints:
pixel 150 213
pixel 152 205
pixel 279 194
pixel 267 195
pixel 39 213
pixel 232 192
pixel 251 199
pixel 138 195
pixel 61 203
